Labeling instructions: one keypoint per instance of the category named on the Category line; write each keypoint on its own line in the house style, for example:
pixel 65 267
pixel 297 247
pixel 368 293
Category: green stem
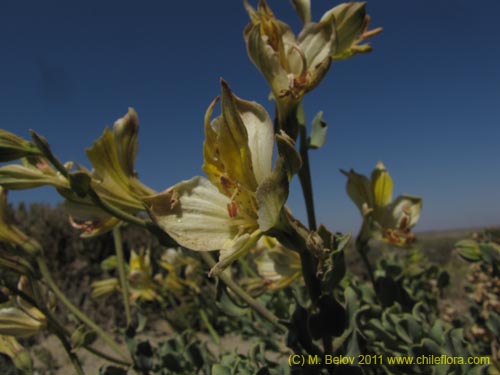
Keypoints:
pixel 44 270
pixel 44 147
pixel 53 326
pixel 209 326
pixel 117 238
pixel 245 267
pixel 240 292
pixel 114 211
pixel 105 356
pixel 362 248
pixel 305 179
pixel 295 236
pixel 163 237
pixel 67 346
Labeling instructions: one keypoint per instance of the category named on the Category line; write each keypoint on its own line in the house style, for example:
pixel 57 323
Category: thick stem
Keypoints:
pixel 305 179
pixel 44 270
pixel 117 238
pixel 116 212
pixel 253 303
pixel 362 248
pixel 309 266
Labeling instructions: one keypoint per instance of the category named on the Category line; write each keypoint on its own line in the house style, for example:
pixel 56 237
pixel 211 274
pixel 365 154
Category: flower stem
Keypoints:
pixel 67 347
pixel 240 292
pixel 117 238
pixel 305 179
pixel 210 328
pixel 53 326
pixel 44 270
pixel 362 248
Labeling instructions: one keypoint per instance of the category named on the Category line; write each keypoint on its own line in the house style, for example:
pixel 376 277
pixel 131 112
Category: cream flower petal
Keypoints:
pixel 235 249
pixel 260 136
pixel 406 210
pixel 195 214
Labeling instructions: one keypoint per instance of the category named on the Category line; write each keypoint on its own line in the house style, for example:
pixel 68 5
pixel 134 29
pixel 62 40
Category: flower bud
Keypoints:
pixel 104 288
pixel 11 234
pixel 303 9
pixel 13 147
pixel 16 322
pixel 30 175
pixel 351 23
pixel 19 356
pixel 381 185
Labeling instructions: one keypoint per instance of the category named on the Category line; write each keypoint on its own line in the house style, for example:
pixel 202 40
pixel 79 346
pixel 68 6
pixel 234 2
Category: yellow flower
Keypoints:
pixel 383 218
pixel 182 272
pixel 351 25
pixel 140 278
pixel 276 264
pixel 293 65
pixel 11 234
pixel 21 319
pixel 13 147
pixel 242 197
pixel 19 356
pixel 113 178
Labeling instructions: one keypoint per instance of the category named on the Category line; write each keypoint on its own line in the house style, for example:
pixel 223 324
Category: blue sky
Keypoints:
pixel 426 102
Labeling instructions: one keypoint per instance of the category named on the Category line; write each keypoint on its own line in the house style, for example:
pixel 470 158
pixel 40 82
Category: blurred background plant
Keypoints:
pixel 279 286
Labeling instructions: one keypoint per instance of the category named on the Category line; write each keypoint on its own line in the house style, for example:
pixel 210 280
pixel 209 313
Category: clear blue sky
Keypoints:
pixel 426 102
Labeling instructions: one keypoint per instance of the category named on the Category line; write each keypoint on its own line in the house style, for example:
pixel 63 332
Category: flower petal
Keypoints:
pixel 272 195
pixel 381 185
pixel 406 211
pixel 195 214
pixel 112 155
pixel 235 249
pixel 232 140
pixel 260 136
pixel 358 189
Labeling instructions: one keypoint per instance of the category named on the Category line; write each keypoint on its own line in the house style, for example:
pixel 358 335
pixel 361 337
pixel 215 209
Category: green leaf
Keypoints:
pixel 468 250
pixel 144 356
pixel 334 265
pixel 79 182
pixel 358 188
pixel 490 252
pixel 220 370
pixel 318 132
pixel 227 305
pixel 332 315
pixel 493 323
pixel 195 355
pixel 171 362
pixel 291 157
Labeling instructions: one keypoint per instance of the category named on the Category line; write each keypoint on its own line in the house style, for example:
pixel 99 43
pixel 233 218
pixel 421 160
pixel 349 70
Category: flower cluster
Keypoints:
pixel 383 218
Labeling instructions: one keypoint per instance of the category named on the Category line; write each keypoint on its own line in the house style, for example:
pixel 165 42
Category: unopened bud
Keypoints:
pixel 13 147
pixel 382 185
